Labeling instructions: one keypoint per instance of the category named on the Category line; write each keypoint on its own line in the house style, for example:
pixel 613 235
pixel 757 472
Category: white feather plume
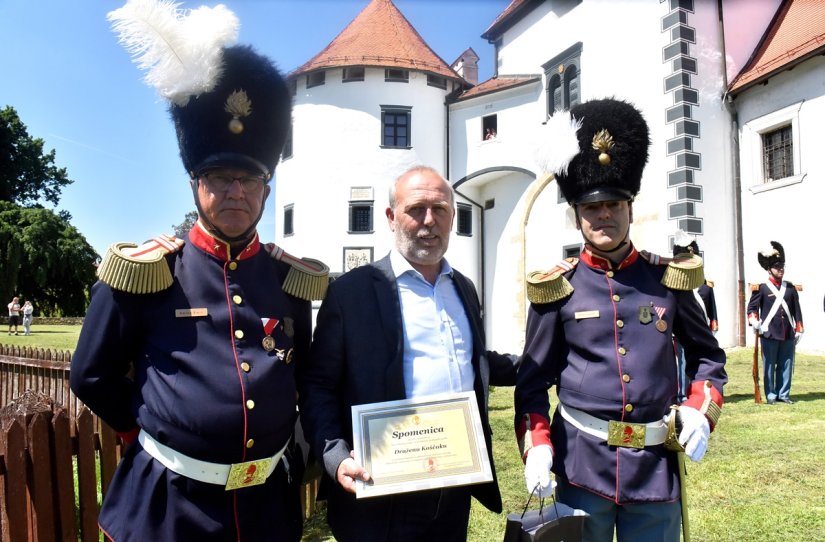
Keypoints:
pixel 182 52
pixel 682 238
pixel 769 251
pixel 558 144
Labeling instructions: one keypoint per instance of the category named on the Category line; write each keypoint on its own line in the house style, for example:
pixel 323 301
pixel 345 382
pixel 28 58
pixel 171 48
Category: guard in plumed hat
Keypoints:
pixel 190 346
pixel 600 329
pixel 776 317
pixel 684 243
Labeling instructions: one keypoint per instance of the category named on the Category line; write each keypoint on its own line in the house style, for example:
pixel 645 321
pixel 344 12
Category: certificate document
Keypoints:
pixel 423 443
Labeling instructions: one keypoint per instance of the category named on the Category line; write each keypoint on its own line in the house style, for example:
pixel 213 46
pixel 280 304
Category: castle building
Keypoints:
pixel 730 93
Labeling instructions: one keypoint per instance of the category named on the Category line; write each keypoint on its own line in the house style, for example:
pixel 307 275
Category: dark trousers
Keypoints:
pixel 436 515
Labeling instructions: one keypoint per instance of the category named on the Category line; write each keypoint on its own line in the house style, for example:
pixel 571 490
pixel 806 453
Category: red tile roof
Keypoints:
pixel 496 84
pixel 379 36
pixel 796 33
pixel 502 21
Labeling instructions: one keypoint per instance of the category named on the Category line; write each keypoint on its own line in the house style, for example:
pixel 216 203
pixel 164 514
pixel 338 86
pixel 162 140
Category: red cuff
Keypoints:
pixel 706 399
pixel 129 436
pixel 714 325
pixel 533 430
pixel 799 328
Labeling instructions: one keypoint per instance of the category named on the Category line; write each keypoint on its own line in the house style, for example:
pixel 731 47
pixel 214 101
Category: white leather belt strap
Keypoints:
pixel 655 432
pixel 202 471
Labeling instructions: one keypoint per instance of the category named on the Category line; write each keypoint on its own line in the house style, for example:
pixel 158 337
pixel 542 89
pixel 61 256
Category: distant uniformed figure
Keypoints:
pixel 776 317
pixel 684 243
pixel 189 347
pixel 600 330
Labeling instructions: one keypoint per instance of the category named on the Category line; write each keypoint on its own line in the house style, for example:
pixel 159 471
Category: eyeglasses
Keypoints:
pixel 220 182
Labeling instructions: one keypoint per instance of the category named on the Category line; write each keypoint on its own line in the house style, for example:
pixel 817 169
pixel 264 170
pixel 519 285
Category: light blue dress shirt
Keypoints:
pixel 438 340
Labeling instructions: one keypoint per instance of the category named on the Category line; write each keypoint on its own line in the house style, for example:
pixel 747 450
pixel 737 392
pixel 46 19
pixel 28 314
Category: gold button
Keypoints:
pixel 233 265
pixel 622 350
pixel 238 334
pixel 236 299
pixel 616 297
pixel 619 323
pixel 250 443
pixel 245 367
pixel 626 377
pixel 628 408
pixel 610 274
pixel 250 404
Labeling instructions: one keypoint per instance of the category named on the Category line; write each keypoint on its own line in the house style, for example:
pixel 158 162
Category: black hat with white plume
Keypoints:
pixel 597 150
pixel 230 105
pixel 772 255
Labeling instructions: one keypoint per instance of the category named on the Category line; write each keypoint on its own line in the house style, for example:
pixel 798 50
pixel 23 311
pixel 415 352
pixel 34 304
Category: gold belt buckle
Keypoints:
pixel 251 473
pixel 626 435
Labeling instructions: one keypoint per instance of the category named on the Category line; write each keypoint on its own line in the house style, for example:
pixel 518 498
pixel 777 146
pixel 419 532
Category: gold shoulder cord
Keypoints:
pixel 139 269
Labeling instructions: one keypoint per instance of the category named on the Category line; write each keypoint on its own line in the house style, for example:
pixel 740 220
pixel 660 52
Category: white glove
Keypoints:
pixel 796 337
pixel 757 326
pixel 537 470
pixel 695 432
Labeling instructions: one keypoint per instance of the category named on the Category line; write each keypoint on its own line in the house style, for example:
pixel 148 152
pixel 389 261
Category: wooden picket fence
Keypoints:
pixel 56 457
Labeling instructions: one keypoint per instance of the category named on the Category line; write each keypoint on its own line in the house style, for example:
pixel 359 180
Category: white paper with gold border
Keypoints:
pixel 424 443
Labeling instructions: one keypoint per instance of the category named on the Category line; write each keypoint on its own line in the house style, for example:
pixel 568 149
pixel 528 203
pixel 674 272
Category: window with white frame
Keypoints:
pixel 771 149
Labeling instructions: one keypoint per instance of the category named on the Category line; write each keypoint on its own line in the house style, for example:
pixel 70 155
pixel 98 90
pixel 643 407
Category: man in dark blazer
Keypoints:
pixel 403 327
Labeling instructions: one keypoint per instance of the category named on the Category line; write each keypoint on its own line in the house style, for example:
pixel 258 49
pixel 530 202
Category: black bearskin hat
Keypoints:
pixel 769 257
pixel 612 148
pixel 229 104
pixel 684 243
pixel 242 122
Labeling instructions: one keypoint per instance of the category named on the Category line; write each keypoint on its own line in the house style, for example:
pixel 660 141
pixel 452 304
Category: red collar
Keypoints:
pixel 773 280
pixel 597 262
pixel 219 248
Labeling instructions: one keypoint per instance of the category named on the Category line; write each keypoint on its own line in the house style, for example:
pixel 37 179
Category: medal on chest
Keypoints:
pixel 269 326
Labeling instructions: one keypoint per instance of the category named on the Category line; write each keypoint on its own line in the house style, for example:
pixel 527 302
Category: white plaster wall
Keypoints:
pixel 628 66
pixel 336 146
pixel 788 214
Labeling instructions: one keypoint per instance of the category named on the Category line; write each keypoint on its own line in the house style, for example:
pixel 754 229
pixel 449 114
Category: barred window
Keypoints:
pixel 777 154
pixel 360 217
pixel 465 219
pixel 288 215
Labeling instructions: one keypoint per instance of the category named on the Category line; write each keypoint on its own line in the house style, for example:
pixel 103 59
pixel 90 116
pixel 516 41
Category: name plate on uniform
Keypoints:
pixel 426 443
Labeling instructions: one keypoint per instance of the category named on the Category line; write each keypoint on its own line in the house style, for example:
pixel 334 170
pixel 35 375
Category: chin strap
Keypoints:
pixel 241 239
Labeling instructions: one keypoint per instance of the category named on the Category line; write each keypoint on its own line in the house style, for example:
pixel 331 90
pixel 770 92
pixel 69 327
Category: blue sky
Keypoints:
pixel 75 87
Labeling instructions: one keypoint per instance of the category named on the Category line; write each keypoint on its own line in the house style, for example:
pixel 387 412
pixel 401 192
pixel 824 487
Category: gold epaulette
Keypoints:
pixel 139 269
pixel 550 286
pixel 684 271
pixel 307 278
pixel 709 283
pixel 798 287
pixel 754 287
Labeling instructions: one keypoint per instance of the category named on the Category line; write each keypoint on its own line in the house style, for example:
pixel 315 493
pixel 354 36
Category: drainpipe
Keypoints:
pixel 482 278
pixel 736 172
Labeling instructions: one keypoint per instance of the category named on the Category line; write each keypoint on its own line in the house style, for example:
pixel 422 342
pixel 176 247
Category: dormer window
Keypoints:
pixel 396 76
pixel 436 81
pixel 316 79
pixel 355 73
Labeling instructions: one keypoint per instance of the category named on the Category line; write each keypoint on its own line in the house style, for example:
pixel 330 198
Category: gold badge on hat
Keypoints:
pixel 239 106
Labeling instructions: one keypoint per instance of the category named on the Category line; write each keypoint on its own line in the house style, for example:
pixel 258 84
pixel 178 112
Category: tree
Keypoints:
pixel 188 221
pixel 27 175
pixel 46 260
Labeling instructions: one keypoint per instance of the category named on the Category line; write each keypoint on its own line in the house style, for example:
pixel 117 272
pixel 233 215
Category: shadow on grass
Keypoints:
pixel 797 397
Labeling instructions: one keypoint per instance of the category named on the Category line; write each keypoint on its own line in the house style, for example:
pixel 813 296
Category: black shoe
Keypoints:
pixel 771 401
pixel 788 401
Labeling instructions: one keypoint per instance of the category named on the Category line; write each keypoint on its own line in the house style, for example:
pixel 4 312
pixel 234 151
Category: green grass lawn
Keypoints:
pixel 54 337
pixel 760 480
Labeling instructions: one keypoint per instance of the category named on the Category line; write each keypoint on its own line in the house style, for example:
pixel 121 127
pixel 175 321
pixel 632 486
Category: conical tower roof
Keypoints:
pixel 379 36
